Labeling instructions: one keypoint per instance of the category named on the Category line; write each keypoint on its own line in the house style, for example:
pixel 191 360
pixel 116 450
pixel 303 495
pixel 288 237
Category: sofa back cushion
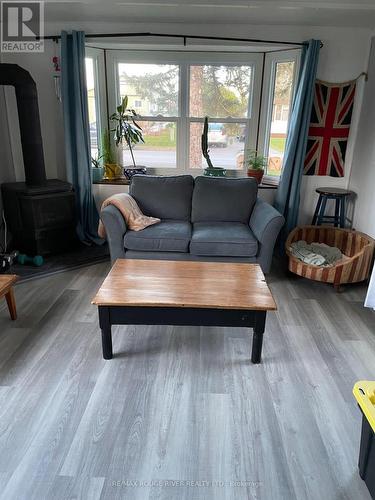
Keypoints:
pixel 163 197
pixel 223 199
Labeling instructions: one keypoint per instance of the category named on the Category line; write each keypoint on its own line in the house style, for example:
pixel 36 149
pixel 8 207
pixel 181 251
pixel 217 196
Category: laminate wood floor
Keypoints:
pixel 181 413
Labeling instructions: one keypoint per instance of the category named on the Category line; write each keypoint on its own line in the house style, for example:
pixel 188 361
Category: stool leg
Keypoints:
pixel 337 212
pixel 317 208
pixel 322 211
pixel 11 301
pixel 342 213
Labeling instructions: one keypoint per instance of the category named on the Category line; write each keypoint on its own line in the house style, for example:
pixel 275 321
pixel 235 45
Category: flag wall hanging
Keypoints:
pixel 331 116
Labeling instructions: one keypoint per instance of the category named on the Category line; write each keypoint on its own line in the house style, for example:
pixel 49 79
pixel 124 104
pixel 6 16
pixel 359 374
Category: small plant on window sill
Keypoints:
pixel 256 164
pixel 126 128
pixel 97 169
pixel 211 171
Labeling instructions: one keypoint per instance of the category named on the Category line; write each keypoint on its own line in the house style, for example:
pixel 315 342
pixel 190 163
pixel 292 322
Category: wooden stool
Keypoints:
pixel 6 288
pixel 327 193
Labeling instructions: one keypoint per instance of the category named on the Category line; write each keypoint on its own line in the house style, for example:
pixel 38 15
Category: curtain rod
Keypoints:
pixel 55 38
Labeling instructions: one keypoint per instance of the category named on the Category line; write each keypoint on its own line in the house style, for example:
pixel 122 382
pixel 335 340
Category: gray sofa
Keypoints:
pixel 213 219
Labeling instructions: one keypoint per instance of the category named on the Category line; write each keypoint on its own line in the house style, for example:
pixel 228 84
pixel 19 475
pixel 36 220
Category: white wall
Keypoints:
pixel 362 179
pixel 342 58
pixel 6 165
pixel 40 68
pixel 6 161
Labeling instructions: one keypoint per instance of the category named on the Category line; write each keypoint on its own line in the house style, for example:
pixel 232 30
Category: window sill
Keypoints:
pixel 113 182
pixel 270 181
pixel 126 182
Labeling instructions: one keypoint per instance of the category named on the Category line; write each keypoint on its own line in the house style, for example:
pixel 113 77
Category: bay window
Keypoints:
pixel 247 97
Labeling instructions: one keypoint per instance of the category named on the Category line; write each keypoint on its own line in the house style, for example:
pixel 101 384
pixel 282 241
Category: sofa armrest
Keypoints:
pixel 115 228
pixel 265 223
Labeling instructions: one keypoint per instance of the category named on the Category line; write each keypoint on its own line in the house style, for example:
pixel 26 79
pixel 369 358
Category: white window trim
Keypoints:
pixel 100 89
pixel 271 60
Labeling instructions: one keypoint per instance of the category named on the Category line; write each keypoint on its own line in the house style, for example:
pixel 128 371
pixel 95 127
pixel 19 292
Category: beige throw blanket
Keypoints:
pixel 134 218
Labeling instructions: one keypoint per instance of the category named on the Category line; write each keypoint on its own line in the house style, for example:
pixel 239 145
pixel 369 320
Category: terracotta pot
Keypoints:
pixel 257 174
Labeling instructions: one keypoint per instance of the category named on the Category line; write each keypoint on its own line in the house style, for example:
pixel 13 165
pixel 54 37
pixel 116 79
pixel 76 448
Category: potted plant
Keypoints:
pixel 126 128
pixel 111 169
pixel 97 168
pixel 255 165
pixel 210 171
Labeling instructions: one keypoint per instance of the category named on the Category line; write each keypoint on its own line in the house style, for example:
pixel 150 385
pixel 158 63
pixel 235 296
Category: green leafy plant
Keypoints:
pixel 126 128
pixel 253 161
pixel 106 150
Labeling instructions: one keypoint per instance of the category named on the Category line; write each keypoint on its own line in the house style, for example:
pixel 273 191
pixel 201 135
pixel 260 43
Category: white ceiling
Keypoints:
pixel 356 13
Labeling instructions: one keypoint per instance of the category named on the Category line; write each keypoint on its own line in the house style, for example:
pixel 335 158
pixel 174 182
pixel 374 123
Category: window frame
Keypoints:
pixel 183 120
pixel 100 89
pixel 258 123
pixel 270 64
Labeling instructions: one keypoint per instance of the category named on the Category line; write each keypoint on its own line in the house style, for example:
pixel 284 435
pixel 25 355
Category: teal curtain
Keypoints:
pixel 77 138
pixel 287 198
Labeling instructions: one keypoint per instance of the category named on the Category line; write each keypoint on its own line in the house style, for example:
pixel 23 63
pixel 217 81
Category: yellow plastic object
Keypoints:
pixel 364 393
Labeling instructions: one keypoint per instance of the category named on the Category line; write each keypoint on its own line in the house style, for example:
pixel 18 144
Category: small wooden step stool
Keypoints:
pixel 6 288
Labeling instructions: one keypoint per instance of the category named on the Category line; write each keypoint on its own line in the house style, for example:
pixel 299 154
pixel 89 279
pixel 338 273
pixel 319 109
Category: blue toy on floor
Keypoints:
pixel 34 261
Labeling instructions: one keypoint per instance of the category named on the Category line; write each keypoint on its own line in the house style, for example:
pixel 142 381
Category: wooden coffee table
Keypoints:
pixel 159 292
pixel 6 288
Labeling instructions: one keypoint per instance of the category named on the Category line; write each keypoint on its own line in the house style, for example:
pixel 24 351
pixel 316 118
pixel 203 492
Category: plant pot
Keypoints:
pixel 130 171
pixel 215 172
pixel 112 171
pixel 97 174
pixel 257 174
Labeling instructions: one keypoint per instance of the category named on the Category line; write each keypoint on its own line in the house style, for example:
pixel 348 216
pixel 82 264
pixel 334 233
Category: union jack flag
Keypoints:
pixel 331 116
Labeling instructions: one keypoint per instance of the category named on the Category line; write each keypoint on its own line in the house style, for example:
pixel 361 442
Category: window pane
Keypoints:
pixel 91 98
pixel 159 150
pixel 220 91
pixel 152 88
pixel 226 144
pixel 280 116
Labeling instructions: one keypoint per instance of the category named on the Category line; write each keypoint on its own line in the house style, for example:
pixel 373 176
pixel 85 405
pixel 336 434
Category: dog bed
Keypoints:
pixel 357 248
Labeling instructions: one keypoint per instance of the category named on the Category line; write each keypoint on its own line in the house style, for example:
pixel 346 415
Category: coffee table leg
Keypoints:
pixel 260 321
pixel 107 343
pixel 105 326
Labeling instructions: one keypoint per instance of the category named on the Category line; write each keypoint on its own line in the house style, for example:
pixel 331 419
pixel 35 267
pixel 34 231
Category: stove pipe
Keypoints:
pixel 28 117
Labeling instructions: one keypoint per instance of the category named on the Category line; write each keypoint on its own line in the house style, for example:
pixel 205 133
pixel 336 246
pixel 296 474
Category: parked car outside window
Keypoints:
pixel 217 136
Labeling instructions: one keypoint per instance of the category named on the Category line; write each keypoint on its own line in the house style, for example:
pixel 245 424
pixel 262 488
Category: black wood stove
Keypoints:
pixel 40 212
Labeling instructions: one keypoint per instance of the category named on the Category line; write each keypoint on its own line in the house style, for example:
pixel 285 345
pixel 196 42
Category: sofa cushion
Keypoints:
pixel 227 239
pixel 167 236
pixel 163 197
pixel 223 200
